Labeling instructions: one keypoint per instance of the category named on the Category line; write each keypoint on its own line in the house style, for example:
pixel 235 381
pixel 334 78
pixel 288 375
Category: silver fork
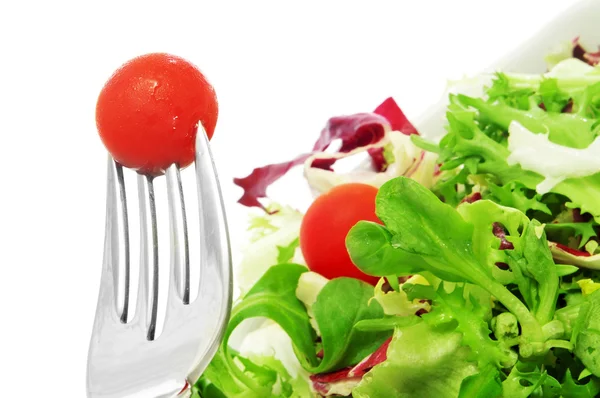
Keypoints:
pixel 125 359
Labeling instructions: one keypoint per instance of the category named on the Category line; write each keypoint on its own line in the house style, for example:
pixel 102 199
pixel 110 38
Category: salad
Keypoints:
pixel 462 267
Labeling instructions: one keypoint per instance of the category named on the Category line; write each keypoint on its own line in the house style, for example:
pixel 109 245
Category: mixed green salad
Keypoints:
pixel 485 254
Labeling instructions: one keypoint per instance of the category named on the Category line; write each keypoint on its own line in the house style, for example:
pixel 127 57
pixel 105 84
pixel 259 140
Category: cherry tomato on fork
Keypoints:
pixel 326 224
pixel 148 112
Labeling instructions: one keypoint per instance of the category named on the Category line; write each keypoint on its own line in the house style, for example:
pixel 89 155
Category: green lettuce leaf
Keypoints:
pixel 553 98
pixel 423 362
pixel 377 260
pixel 586 333
pixel 526 380
pixel 286 253
pixel 419 223
pixel 572 389
pixel 340 305
pixel 399 302
pixel 516 195
pixel 471 321
pixel 530 260
pixel 476 143
pixel 485 384
pixel 266 371
pixel 567 129
pixel 274 297
pixel 565 232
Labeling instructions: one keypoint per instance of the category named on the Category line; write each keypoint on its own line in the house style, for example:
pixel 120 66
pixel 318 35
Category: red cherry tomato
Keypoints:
pixel 326 224
pixel 147 113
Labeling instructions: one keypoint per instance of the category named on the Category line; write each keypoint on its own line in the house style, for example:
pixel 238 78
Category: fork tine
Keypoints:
pixel 147 303
pixel 126 248
pixel 179 286
pixel 215 285
pixel 107 304
pixel 215 253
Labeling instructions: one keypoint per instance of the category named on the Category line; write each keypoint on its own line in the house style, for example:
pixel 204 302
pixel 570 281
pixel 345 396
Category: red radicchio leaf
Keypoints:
pixel 398 121
pixel 354 131
pixel 377 159
pixel 369 362
pixel 474 197
pixel 574 252
pixel 498 230
pixel 322 382
pixel 390 110
pixel 592 58
pixel 323 379
pixel 568 108
pixel 578 217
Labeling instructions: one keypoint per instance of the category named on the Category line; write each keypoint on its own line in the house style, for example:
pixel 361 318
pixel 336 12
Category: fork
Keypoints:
pixel 126 358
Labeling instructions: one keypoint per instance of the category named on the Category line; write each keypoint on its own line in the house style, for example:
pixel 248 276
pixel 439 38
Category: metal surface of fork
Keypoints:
pixel 124 359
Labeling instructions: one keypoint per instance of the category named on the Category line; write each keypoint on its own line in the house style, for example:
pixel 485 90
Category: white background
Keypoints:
pixel 280 69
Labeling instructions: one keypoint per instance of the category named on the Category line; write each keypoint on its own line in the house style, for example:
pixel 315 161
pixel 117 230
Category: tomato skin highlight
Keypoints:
pixel 325 226
pixel 147 113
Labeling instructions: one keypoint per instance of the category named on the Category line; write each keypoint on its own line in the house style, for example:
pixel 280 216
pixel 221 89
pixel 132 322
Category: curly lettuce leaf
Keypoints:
pixel 516 195
pixel 586 333
pixel 422 362
pixel 470 317
pixel 572 389
pixel 565 232
pixel 417 222
pixel 398 302
pixel 266 371
pixel 554 162
pixel 485 384
pixel 567 129
pixel 525 380
pixel 476 143
pixel 553 98
pixel 572 76
pixel 530 260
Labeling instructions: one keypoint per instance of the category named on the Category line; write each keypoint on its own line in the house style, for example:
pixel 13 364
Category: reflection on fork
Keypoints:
pixel 126 356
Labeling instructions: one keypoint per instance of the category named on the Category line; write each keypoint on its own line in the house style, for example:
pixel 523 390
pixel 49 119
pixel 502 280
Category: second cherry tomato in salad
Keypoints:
pixel 148 112
pixel 325 226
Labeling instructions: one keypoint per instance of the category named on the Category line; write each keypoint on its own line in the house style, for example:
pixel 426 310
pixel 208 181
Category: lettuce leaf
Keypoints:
pixel 276 382
pixel 477 142
pixel 525 380
pixel 485 384
pixel 571 389
pixel 340 304
pixel 446 243
pixel 272 240
pixel 586 333
pixel 471 321
pixel 422 362
pixel 397 302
